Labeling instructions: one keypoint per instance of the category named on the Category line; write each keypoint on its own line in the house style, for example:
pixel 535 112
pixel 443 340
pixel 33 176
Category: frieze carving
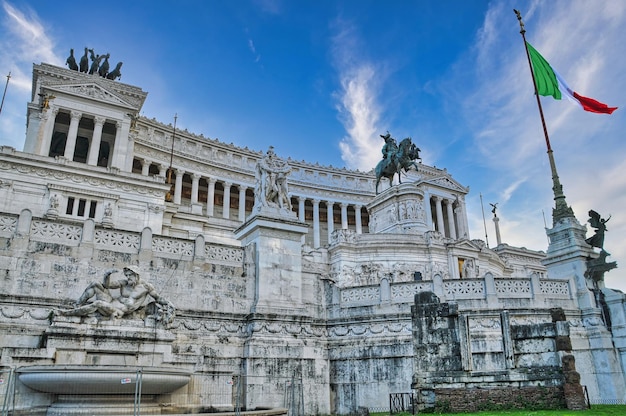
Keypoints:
pixel 343 235
pixel 93 91
pixel 447 183
pixel 8 224
pixel 360 294
pixel 118 240
pixel 92 182
pixel 225 254
pixel 396 328
pixel 455 288
pixel 554 287
pixel 409 290
pixel 46 231
pixel 513 287
pixel 485 323
pixel 22 313
pixel 172 246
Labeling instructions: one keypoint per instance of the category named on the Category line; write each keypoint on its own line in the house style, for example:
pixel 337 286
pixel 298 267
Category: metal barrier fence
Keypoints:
pixel 401 402
pixel 207 393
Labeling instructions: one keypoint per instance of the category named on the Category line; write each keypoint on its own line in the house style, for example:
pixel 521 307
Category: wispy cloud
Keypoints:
pixel 257 56
pixel 24 40
pixel 502 116
pixel 357 103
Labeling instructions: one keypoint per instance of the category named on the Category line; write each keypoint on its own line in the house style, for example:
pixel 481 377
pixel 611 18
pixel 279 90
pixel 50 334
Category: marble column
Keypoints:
pixel 242 202
pixel 46 129
pixel 329 218
pixel 450 219
pixel 316 223
pixel 226 206
pixel 344 216
pixel 145 167
pixel 179 186
pixel 439 212
pixel 301 209
pixel 357 219
pixel 210 199
pixel 72 134
pixel 94 147
pixel 429 212
pixel 195 180
pixel 196 208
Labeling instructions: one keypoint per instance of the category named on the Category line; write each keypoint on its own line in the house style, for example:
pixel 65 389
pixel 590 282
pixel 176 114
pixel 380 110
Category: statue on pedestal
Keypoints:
pixel 597 240
pixel 396 158
pixel 133 292
pixel 271 178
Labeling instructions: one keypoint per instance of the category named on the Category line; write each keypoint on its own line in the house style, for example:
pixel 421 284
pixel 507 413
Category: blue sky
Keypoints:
pixel 320 80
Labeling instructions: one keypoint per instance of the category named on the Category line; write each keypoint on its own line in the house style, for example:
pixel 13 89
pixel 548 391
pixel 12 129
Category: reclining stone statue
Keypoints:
pixel 133 292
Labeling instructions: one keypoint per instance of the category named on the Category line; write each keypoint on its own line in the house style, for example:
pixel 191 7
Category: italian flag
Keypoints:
pixel 550 83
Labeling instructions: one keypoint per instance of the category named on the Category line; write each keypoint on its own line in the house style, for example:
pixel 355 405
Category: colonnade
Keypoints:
pixel 74 124
pixel 210 195
pixel 448 216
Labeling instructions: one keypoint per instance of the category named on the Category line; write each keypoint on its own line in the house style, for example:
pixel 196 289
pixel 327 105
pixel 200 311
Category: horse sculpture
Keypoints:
pixel 404 158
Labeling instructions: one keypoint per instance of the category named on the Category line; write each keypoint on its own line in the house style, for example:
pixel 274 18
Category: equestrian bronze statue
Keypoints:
pixel 396 158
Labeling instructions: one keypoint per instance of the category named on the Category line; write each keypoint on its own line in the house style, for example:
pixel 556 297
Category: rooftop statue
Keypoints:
pixel 84 62
pixel 103 71
pixel 597 240
pixel 133 293
pixel 95 62
pixel 96 68
pixel 271 181
pixel 396 158
pixel 116 72
pixel 71 61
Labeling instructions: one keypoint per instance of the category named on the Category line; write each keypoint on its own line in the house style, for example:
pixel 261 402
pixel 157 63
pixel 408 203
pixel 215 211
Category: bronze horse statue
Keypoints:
pixel 404 158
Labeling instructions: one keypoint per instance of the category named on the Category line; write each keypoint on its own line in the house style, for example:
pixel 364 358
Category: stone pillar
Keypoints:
pixel 45 138
pixel 94 147
pixel 458 215
pixel 162 170
pixel 496 222
pixel 196 208
pixel 451 225
pixel 301 210
pixel 242 202
pixel 439 213
pixel 145 167
pixel 316 223
pixel 429 212
pixel 357 219
pixel 195 180
pixel 344 216
pixel 70 144
pixel 226 205
pixel 122 155
pixel 329 218
pixel 301 213
pixel 210 199
pixel 178 189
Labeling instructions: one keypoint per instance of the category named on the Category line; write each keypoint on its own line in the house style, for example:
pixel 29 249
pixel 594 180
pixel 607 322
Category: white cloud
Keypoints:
pixel 24 40
pixel 582 40
pixel 357 103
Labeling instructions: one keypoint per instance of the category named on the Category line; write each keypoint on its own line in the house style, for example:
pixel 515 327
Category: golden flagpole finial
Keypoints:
pixel 521 24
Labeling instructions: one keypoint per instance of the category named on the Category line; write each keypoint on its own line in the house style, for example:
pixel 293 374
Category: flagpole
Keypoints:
pixel 168 195
pixel 561 209
pixel 5 92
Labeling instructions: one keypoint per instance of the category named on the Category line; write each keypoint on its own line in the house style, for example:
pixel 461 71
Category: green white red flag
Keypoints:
pixel 550 83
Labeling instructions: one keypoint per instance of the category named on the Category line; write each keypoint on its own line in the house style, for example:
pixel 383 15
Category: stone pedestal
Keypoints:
pixel 277 250
pixel 567 258
pixel 399 210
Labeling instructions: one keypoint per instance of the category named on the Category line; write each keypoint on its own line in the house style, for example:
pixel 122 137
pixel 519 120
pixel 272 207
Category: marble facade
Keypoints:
pixel 322 292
